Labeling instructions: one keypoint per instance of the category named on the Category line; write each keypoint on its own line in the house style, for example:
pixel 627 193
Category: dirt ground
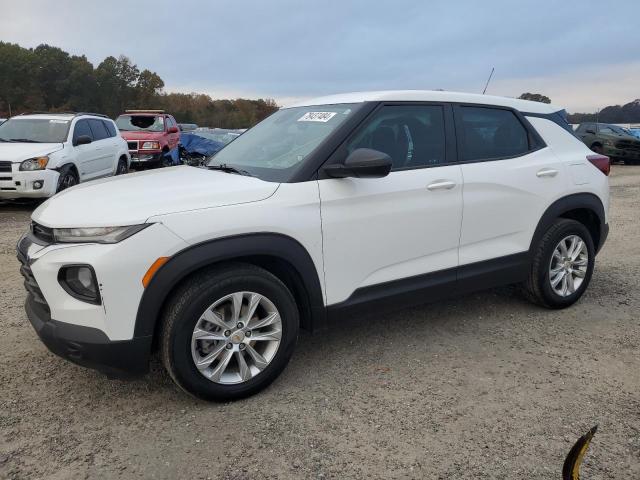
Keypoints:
pixel 484 386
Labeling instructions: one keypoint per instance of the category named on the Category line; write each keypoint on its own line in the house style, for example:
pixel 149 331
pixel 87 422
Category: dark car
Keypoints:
pixel 611 140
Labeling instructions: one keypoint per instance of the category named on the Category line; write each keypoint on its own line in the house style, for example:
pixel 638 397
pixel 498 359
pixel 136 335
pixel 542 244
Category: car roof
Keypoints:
pixel 430 96
pixel 60 116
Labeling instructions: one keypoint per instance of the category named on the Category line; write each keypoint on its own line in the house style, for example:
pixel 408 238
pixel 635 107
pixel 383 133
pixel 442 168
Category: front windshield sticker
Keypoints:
pixel 323 117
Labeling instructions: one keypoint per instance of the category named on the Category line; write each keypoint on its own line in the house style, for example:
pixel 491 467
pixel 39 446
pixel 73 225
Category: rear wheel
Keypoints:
pixel 122 168
pixel 228 334
pixel 562 265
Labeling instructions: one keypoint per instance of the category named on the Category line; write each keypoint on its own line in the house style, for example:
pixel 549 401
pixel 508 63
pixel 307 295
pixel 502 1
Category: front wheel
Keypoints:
pixel 67 179
pixel 228 334
pixel 562 265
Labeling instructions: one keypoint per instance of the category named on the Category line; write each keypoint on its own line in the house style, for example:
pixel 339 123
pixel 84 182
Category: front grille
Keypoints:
pixel 5 166
pixel 42 233
pixel 133 145
pixel 29 280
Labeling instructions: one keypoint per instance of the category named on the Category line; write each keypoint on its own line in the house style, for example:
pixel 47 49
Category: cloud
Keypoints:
pixel 287 49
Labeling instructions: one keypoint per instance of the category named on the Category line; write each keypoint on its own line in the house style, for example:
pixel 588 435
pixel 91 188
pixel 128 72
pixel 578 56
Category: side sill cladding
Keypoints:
pixel 257 246
pixel 587 201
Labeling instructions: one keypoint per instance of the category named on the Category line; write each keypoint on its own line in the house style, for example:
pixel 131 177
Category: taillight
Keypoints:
pixel 601 162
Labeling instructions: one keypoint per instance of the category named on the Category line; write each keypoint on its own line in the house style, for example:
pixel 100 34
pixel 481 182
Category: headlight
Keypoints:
pixel 150 146
pixel 38 163
pixel 80 282
pixel 96 234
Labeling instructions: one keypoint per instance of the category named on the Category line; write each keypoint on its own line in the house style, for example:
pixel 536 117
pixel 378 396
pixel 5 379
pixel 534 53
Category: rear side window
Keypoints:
pixel 490 133
pixel 82 128
pixel 99 130
pixel 412 135
pixel 111 128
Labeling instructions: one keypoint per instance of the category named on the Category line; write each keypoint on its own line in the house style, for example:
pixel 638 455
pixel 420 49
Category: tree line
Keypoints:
pixel 47 78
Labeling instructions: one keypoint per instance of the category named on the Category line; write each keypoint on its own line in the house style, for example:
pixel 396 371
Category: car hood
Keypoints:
pixel 141 135
pixel 17 152
pixel 133 198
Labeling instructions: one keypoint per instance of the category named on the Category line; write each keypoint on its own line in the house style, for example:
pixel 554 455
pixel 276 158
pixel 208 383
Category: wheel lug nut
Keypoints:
pixel 240 325
pixel 227 333
pixel 242 346
pixel 229 346
pixel 248 334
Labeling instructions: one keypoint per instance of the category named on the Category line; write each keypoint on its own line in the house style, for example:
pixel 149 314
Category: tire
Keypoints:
pixel 122 168
pixel 68 178
pixel 192 305
pixel 538 287
pixel 597 149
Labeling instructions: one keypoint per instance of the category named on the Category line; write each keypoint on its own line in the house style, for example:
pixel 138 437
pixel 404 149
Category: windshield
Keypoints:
pixel 277 147
pixel 144 123
pixel 34 130
pixel 604 128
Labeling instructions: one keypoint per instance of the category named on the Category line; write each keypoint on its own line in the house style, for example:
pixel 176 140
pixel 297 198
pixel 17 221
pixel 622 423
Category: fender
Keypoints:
pixel 198 256
pixel 587 201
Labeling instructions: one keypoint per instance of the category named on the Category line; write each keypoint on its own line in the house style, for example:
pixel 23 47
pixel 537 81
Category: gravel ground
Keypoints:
pixel 484 386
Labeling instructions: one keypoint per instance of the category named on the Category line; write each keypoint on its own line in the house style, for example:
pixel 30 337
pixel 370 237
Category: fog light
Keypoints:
pixel 37 185
pixel 80 282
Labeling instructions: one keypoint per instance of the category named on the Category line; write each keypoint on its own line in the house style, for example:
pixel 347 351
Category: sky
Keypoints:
pixel 584 55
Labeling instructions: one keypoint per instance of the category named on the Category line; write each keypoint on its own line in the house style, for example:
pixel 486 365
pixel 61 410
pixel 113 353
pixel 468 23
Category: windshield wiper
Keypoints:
pixel 23 140
pixel 229 169
pixel 3 140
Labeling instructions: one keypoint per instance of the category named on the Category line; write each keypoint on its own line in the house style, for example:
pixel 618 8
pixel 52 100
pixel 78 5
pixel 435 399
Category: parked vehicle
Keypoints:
pixel 195 150
pixel 187 127
pixel 152 135
pixel 611 140
pixel 42 154
pixel 334 205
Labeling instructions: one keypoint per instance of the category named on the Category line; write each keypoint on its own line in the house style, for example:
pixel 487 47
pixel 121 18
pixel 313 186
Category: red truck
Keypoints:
pixel 152 136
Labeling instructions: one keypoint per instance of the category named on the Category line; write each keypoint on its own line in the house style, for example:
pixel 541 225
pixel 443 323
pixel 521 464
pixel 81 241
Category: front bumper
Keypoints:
pixel 142 159
pixel 89 347
pixel 622 154
pixel 19 184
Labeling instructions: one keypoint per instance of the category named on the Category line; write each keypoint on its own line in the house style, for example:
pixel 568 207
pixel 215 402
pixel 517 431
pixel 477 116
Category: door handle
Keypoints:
pixel 441 185
pixel 547 172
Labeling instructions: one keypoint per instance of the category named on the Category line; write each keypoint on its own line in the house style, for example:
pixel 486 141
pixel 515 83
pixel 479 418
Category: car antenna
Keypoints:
pixel 489 79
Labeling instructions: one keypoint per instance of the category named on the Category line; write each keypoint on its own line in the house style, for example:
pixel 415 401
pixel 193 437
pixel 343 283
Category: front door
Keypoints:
pixel 402 226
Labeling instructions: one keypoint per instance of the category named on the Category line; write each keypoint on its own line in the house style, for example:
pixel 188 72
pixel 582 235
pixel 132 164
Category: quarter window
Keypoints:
pixel 490 133
pixel 413 136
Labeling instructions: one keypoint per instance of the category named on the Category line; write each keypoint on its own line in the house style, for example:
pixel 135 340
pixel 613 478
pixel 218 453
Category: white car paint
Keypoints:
pixel 358 232
pixel 95 160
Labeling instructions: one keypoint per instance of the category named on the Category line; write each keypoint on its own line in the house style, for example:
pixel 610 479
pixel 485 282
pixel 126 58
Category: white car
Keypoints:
pixel 336 205
pixel 42 154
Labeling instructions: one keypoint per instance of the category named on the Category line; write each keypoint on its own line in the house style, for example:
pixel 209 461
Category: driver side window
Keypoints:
pixel 412 135
pixel 82 128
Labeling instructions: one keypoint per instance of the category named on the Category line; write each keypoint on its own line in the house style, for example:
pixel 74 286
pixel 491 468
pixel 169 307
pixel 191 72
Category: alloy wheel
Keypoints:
pixel 236 338
pixel 568 265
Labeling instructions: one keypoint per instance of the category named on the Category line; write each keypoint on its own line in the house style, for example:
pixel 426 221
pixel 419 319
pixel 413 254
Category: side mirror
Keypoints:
pixel 173 130
pixel 83 140
pixel 592 132
pixel 362 163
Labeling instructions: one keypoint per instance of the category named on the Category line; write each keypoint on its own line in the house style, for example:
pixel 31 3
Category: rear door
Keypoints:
pixel 104 146
pixel 382 235
pixel 87 156
pixel 510 178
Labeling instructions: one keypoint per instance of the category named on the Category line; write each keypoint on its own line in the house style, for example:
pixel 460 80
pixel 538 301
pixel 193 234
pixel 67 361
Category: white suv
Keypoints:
pixel 332 206
pixel 42 154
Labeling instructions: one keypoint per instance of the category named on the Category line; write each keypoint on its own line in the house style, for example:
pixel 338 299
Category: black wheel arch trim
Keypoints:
pixel 588 201
pixel 202 255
